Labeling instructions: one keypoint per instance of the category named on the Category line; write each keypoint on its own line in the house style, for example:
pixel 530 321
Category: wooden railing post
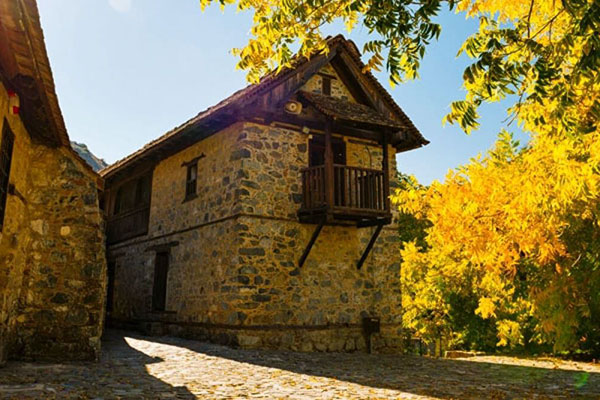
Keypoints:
pixel 386 172
pixel 329 180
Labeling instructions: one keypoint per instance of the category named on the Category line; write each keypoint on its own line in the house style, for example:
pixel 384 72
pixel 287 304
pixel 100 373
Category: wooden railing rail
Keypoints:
pixel 127 225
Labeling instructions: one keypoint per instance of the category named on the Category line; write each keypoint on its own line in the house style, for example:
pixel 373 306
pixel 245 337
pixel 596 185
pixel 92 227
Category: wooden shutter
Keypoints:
pixel 326 85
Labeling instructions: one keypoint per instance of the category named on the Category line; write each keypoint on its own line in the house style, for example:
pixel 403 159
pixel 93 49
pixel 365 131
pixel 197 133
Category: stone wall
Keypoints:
pixel 234 250
pixel 52 278
pixel 338 89
pixel 218 174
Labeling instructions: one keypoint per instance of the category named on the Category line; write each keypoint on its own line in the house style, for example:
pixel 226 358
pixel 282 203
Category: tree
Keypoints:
pixel 517 228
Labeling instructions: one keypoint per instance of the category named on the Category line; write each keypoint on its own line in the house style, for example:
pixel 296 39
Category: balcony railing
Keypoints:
pixel 357 191
pixel 127 225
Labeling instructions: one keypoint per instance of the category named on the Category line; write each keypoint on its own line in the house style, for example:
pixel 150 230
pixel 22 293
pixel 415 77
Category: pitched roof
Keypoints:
pixel 250 92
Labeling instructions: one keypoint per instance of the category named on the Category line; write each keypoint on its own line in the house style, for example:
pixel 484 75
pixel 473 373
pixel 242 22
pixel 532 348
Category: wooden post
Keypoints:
pixel 329 180
pixel 386 172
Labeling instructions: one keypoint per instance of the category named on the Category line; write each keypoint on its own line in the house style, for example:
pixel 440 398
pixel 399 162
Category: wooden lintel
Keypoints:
pixel 330 76
pixel 369 246
pixel 193 160
pixel 312 241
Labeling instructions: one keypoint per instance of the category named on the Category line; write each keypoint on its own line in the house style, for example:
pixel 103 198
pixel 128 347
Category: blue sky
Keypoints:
pixel 127 71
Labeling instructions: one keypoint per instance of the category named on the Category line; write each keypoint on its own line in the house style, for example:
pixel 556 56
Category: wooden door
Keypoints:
pixel 159 291
pixel 110 288
pixel 317 151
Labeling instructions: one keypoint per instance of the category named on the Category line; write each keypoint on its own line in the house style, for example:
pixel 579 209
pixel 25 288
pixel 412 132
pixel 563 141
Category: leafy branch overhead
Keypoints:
pixel 539 50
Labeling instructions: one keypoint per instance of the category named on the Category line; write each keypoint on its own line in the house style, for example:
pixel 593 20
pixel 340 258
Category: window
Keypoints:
pixel 133 195
pixel 326 85
pixel 159 290
pixel 191 178
pixel 191 181
pixel 6 148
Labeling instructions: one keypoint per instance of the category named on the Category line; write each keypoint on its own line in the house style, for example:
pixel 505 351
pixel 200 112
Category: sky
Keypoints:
pixel 127 71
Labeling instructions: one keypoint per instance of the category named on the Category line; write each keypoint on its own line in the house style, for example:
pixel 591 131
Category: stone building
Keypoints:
pixel 52 259
pixel 252 224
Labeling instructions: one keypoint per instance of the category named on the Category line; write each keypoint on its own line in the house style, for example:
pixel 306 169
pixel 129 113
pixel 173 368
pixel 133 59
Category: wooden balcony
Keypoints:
pixel 127 225
pixel 354 194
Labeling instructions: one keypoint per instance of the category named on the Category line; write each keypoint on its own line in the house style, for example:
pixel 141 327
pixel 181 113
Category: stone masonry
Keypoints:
pixel 233 273
pixel 52 263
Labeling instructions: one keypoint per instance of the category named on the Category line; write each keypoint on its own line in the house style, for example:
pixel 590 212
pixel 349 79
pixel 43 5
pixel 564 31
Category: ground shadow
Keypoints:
pixel 120 373
pixel 443 378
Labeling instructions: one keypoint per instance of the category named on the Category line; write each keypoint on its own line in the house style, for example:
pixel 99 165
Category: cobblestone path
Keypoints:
pixel 136 367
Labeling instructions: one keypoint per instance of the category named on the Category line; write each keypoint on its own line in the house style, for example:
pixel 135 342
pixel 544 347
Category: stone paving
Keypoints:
pixel 137 367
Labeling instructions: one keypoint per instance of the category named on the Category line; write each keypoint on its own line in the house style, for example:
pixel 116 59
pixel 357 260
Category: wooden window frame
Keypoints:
pixel 326 83
pixel 191 184
pixel 6 154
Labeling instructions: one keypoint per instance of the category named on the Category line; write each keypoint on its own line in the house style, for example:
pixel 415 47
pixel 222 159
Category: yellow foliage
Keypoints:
pixel 494 214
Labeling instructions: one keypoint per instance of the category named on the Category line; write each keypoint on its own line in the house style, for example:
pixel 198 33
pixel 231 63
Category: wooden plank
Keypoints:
pixel 356 190
pixel 340 185
pixel 380 205
pixel 304 190
pixel 386 171
pixel 345 177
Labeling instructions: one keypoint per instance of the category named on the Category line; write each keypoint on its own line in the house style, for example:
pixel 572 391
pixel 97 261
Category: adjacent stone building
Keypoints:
pixel 52 259
pixel 265 221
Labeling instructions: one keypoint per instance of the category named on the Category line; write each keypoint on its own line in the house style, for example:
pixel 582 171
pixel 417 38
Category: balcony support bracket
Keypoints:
pixel 312 241
pixel 370 245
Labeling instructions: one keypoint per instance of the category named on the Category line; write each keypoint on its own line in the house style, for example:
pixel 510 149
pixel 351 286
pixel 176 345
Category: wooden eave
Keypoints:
pixel 25 69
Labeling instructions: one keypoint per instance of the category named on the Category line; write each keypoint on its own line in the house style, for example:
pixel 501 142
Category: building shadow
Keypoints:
pixel 442 378
pixel 121 372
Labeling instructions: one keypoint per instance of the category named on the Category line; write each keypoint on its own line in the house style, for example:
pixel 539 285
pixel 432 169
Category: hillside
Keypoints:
pixel 96 163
